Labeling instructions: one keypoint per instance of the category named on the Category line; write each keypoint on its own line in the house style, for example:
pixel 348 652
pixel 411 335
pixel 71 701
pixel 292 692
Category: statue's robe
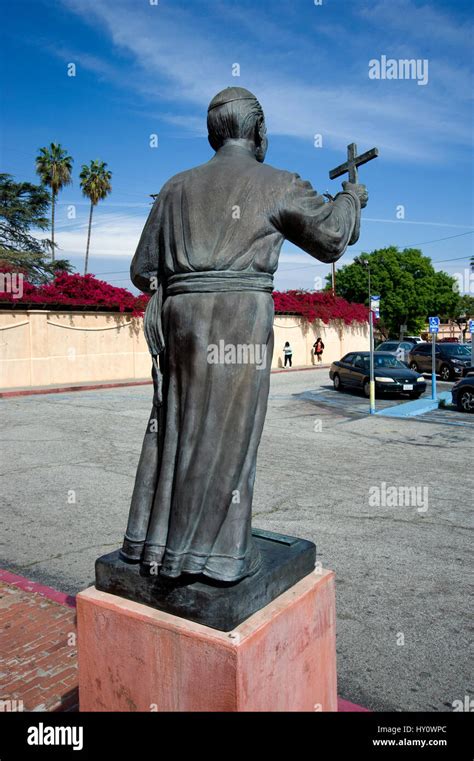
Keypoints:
pixel 191 507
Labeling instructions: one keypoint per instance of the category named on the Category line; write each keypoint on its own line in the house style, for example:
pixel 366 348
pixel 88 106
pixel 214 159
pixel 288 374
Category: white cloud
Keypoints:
pixel 421 22
pixel 112 235
pixel 180 62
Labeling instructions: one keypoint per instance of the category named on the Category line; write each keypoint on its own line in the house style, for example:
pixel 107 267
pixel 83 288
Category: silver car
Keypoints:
pixel 399 349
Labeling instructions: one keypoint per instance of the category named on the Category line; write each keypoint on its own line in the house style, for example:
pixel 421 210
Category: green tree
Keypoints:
pixel 54 167
pixel 409 287
pixel 95 184
pixel 465 313
pixel 24 207
pixel 466 306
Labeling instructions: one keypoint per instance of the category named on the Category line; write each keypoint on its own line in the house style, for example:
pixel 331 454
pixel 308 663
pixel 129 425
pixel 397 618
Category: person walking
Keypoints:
pixel 288 352
pixel 318 347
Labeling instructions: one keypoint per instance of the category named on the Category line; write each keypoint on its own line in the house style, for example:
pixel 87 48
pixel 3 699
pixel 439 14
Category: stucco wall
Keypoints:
pixel 41 348
pixel 338 339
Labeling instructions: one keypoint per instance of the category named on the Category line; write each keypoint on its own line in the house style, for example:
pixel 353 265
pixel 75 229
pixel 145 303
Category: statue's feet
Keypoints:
pixel 131 551
pixel 152 556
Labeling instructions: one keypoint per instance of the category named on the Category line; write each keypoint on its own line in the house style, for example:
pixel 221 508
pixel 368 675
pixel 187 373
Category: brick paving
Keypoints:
pixel 38 655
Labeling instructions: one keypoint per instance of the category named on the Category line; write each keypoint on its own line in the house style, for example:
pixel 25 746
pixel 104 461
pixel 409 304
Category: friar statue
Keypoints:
pixel 207 256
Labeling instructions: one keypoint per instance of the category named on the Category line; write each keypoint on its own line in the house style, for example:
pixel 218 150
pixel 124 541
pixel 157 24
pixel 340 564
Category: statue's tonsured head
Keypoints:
pixel 233 114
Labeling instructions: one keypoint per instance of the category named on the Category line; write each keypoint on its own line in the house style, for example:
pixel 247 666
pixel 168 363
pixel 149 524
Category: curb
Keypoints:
pixel 345 706
pixel 415 407
pixel 119 384
pixel 14 580
pixel 68 389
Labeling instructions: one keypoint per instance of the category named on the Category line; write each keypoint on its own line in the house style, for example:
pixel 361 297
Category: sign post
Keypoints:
pixel 471 331
pixel 434 328
pixel 374 312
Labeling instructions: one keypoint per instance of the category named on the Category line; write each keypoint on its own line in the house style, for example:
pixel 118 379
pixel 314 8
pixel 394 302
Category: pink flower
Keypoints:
pixel 322 305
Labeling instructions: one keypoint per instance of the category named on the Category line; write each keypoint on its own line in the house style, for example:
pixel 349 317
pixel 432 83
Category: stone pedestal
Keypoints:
pixel 285 560
pixel 282 658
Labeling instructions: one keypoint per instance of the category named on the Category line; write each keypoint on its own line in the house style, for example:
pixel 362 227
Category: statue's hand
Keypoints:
pixel 359 190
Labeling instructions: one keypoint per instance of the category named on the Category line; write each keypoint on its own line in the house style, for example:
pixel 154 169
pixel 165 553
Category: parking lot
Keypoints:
pixel 353 402
pixel 403 626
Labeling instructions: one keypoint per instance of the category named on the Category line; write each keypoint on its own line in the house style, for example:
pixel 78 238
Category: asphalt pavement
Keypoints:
pixel 325 469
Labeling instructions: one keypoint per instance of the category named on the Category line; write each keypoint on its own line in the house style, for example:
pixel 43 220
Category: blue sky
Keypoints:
pixel 145 69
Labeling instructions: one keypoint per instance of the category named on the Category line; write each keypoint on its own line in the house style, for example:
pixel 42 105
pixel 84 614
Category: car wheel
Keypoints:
pixel 466 401
pixel 445 373
pixel 337 382
pixel 414 366
pixel 366 388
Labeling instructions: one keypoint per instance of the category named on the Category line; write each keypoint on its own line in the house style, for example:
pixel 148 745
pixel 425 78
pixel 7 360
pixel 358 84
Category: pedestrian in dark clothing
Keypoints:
pixel 318 347
pixel 288 352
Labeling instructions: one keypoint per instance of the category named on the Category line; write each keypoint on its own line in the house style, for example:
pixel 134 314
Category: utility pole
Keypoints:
pixel 434 329
pixel 371 339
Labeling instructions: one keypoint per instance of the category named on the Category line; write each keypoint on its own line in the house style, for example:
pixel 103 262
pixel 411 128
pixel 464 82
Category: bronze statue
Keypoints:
pixel 207 255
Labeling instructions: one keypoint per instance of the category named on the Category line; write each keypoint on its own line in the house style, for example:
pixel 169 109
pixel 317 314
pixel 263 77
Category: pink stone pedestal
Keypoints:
pixel 136 658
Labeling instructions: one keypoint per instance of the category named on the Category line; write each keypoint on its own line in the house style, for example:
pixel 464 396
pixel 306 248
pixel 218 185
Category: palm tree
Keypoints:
pixel 95 184
pixel 54 167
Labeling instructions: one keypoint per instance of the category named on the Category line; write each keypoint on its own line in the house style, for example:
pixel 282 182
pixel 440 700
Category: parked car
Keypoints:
pixel 391 375
pixel 399 349
pixel 452 360
pixel 463 393
pixel 413 339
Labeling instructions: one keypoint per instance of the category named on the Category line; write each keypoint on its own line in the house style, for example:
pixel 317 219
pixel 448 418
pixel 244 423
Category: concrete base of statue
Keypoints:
pixel 283 658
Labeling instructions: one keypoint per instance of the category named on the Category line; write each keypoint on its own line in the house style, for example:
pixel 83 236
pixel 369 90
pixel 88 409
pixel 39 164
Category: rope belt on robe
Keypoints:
pixel 194 282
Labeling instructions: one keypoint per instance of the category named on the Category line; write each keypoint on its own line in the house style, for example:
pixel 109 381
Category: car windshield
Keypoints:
pixel 387 362
pixel 457 350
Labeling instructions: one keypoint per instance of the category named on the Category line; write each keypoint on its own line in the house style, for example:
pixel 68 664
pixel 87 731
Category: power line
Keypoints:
pixel 425 242
pixel 407 245
pixel 457 259
pixel 307 266
pixel 294 269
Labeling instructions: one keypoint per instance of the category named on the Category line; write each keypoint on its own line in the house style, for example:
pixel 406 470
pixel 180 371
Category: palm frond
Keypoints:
pixel 95 181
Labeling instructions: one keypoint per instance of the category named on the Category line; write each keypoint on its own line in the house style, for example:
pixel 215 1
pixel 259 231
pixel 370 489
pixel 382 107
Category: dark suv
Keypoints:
pixel 452 360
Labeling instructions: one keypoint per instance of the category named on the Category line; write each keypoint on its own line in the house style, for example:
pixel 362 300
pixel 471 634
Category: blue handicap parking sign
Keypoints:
pixel 471 327
pixel 434 324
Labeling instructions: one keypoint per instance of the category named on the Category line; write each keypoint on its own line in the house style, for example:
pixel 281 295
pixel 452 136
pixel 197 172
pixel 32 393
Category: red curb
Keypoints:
pixel 67 389
pixel 345 706
pixel 98 386
pixel 300 369
pixel 32 586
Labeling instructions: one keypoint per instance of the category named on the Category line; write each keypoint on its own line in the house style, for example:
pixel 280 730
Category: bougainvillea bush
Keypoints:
pixel 88 291
pixel 78 291
pixel 321 305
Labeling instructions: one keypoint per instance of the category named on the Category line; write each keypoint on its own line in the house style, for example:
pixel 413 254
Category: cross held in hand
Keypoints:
pixel 353 161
